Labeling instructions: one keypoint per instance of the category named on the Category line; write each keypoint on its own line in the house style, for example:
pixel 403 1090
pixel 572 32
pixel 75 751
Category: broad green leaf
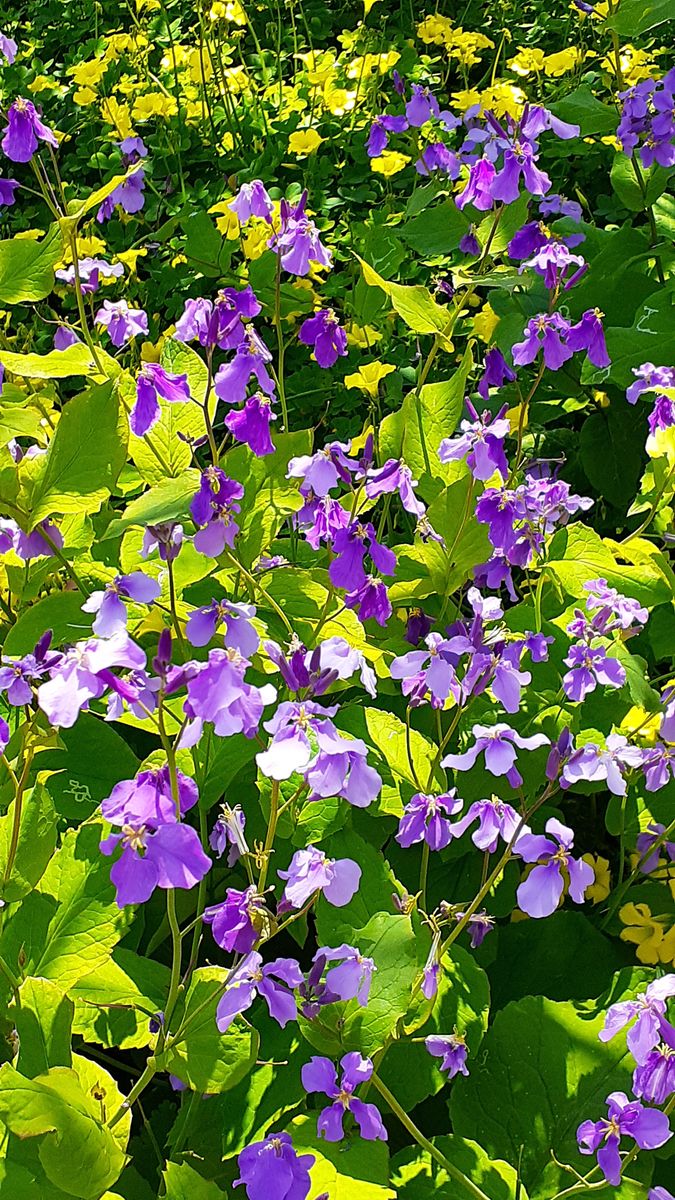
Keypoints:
pixel 427 568
pixel 165 452
pixel 166 501
pixel 418 1176
pixel 17 421
pixel 77 1152
pixel 182 1182
pixel 462 1003
pixel 205 1059
pixel 611 451
pixel 582 108
pixel 637 193
pixel 93 759
pixel 114 1004
pixel 60 364
pixel 650 338
pixel 387 734
pixel 542 1070
pixel 27 270
pixel 414 304
pixel 61 612
pixel 359 1173
pixel 37 839
pixel 377 884
pixel 436 231
pixel 269 497
pixel 43 1022
pixel 577 554
pixel 205 249
pixel 637 16
pixel 389 940
pixel 84 922
pixel 181 359
pixel 84 458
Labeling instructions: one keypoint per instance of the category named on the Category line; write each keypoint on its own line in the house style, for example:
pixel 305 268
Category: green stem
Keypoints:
pixel 454 1172
pixel 280 345
pixel 140 1085
pixel 16 820
pixel 424 871
pixel 257 586
pixel 269 838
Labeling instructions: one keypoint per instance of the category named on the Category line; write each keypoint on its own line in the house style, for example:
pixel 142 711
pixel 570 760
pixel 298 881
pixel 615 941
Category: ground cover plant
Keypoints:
pixel 337 692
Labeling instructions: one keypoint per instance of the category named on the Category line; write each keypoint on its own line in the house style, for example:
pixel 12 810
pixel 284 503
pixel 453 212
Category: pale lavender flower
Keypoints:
pixel 238 922
pixel 111 612
pixel 312 871
pixel 645 1015
pixel 239 632
pixel 496 819
pixel 169 856
pixel 451 1049
pixel 250 201
pixel 498 742
pixel 84 673
pixel 121 322
pixel 352 978
pixel 539 894
pixel 425 818
pixel 592 763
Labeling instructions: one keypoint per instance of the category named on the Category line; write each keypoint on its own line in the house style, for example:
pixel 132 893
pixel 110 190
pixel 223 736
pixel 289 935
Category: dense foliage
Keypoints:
pixel 337 471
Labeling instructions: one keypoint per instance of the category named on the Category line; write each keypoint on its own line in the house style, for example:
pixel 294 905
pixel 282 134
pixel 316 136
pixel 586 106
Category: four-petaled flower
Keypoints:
pixel 320 1075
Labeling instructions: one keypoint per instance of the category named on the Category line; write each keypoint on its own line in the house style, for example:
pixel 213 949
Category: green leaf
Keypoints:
pixel 181 359
pixel 43 1022
pixel 336 925
pixel 205 1059
pixel 389 940
pixel 359 1173
pixel 60 364
pixel 577 554
pixel 436 231
pixel 582 108
pixel 611 451
pixel 637 16
pixel 269 497
pixel 182 1182
pixel 417 1176
pixel 414 304
pixel 37 839
pixel 83 921
pixel 77 1152
pixel 93 759
pixel 114 1003
pixel 84 458
pixel 387 734
pixel 166 501
pixel 650 338
pixel 27 270
pixel 542 1070
pixel 632 193
pixel 206 250
pixel 61 612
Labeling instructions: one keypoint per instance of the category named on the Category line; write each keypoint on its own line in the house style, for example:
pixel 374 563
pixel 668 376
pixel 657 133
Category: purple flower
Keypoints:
pixel 478 190
pixel 645 1015
pixel 7 190
pixel 592 763
pixel 170 856
pixel 129 194
pixel 111 613
pixel 520 161
pixel 297 243
pixel 499 743
pixel 8 48
pixel 122 323
pixel 496 373
pixel 24 130
pixel 272 1168
pixel 228 831
pixel 589 335
pixel 325 335
pixel 370 601
pixel 547 333
pixel 539 894
pixel 166 538
pixel 251 424
pixel 152 383
pixel 615 611
pixel 311 871
pixel 647 121
pixel 218 323
pixel 19 675
pixel 213 507
pixel 147 799
pixel 496 819
pixel 481 444
pixel 648 1127
pixel 421 107
pixel 319 1075
pixel 552 261
pixel 649 378
pixel 425 819
pixel 352 978
pixel 451 1049
pixel 34 544
pixel 438 157
pixel 556 205
pixel 418 626
pixel 651 835
pixel 250 201
pixel 217 693
pixel 239 632
pixel 89 271
pixel 64 337
pixel 654 1080
pixel 469 244
pixel 233 378
pixel 590 665
pixel 4 735
pixel 382 126
pixel 478 926
pixel 394 476
pixel 350 546
pixel 83 674
pixel 274 982
pixel 239 921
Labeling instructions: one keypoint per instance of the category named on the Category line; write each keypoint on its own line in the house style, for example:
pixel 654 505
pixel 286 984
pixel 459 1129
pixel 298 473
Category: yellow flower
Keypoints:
pixel 435 30
pixel 42 83
pixel 124 43
pixel 600 888
pixel 319 67
pixel 466 99
pixel 389 163
pixel 635 64
pixel 117 115
pixel 237 80
pixel 653 936
pixel 565 60
pixel 229 11
pixel 84 96
pixel 227 222
pixel 90 247
pixel 639 723
pixel 129 258
pixel 88 74
pixel 178 259
pixel 527 61
pixel 485 322
pixel 154 104
pixel 254 242
pixel 368 377
pixel 504 99
pixel 338 100
pixel 367 5
pixel 463 46
pixel 363 336
pixel 362 67
pixel 304 142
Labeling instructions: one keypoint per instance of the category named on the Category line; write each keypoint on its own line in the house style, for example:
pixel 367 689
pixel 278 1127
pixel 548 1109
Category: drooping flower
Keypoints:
pixel 451 1049
pixel 154 381
pixel 239 921
pixel 654 1080
pixel 271 1167
pixel 498 742
pixel 24 131
pixel 213 509
pixel 648 1127
pixel 252 200
pixel 539 894
pixel 129 195
pixel 425 818
pixel 220 322
pixel 7 190
pixel 548 333
pixel 251 424
pixel 394 476
pixel 645 1015
pixel 111 613
pixel 121 322
pixel 312 871
pixel 319 1075
pixel 297 243
pixel 250 359
pixel 166 538
pixel 273 981
pixel 325 335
